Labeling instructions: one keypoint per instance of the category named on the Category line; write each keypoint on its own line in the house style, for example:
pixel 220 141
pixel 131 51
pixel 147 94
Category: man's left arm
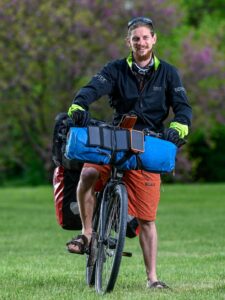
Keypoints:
pixel 180 105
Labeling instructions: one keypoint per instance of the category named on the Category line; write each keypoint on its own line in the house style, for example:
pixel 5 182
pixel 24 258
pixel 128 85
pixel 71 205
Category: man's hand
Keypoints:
pixel 181 128
pixel 172 135
pixel 80 118
pixel 79 115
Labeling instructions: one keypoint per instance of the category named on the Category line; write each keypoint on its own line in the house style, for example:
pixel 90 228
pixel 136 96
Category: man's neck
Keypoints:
pixel 143 63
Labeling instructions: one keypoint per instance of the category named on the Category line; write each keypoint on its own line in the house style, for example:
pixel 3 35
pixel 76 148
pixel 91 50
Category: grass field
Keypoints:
pixel 191 258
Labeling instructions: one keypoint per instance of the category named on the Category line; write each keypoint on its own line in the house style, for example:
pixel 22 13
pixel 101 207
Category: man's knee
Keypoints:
pixel 146 225
pixel 88 177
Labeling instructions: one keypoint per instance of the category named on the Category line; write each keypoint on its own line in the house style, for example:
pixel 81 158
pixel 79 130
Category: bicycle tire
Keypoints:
pixel 92 254
pixel 91 262
pixel 110 249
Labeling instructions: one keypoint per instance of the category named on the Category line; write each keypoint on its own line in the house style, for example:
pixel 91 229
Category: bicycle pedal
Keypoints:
pixel 127 254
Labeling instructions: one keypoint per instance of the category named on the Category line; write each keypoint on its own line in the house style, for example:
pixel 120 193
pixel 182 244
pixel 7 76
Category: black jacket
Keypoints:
pixel 162 89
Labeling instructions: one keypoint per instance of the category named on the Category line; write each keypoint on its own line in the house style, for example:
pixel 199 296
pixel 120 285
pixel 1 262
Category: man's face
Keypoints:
pixel 141 42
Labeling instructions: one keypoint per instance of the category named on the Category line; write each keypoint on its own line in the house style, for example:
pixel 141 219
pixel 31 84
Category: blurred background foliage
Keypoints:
pixel 50 48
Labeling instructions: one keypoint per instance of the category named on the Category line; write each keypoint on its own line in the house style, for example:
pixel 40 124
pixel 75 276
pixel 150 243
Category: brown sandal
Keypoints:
pixel 81 242
pixel 157 285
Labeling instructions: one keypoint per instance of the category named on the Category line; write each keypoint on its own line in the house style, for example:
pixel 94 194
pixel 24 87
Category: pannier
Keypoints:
pixel 65 184
pixel 65 178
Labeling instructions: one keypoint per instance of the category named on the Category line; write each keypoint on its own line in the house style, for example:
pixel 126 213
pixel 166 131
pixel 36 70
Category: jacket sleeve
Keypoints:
pixel 178 98
pixel 101 84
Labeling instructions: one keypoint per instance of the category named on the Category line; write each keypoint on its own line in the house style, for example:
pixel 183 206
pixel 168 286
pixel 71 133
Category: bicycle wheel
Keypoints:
pixel 91 261
pixel 92 254
pixel 110 245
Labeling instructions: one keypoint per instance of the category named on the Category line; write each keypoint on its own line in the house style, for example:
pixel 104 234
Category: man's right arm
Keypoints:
pixel 101 84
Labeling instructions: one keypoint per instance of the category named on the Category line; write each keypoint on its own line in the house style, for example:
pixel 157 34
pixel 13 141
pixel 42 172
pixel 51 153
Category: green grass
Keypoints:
pixel 191 257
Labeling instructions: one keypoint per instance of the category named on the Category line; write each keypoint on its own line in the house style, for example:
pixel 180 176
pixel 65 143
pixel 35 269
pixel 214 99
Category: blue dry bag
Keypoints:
pixel 113 146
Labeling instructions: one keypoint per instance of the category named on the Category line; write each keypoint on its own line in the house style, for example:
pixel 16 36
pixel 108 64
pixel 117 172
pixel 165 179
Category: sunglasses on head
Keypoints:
pixel 141 20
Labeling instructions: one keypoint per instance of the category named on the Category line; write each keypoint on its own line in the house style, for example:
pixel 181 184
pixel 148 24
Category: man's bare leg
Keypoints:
pixel 86 202
pixel 148 242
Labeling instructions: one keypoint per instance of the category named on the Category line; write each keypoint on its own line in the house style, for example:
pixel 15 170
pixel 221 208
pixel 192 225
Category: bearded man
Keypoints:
pixel 148 87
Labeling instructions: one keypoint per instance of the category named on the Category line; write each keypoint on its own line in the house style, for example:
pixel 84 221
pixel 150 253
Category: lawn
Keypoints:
pixel 191 259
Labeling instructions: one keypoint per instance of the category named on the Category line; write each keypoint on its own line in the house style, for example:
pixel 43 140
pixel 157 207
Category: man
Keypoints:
pixel 145 86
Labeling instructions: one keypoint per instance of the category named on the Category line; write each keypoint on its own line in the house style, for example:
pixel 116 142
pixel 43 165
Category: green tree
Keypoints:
pixel 207 152
pixel 197 10
pixel 48 49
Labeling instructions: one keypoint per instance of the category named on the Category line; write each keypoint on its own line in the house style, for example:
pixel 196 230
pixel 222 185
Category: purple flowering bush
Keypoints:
pixel 50 48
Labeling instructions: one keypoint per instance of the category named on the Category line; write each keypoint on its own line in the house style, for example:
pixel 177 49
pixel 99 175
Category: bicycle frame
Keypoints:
pixel 111 232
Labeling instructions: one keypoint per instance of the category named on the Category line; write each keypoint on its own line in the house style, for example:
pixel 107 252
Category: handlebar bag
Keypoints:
pixel 89 146
pixel 159 156
pixel 77 148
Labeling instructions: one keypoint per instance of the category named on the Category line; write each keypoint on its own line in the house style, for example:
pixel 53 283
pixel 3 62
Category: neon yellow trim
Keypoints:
pixel 156 61
pixel 181 128
pixel 129 60
pixel 73 108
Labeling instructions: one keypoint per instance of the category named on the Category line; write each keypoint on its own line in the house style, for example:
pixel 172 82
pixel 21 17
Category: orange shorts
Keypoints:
pixel 143 190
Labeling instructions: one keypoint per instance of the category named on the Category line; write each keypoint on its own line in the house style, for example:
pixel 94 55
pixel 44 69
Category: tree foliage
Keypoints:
pixel 207 152
pixel 197 10
pixel 50 48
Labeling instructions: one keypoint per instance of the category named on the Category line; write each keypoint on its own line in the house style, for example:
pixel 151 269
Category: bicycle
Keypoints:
pixel 109 232
pixel 110 218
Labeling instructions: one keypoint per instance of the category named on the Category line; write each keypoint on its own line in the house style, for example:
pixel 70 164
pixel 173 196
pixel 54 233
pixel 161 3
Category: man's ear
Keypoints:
pixel 127 40
pixel 155 38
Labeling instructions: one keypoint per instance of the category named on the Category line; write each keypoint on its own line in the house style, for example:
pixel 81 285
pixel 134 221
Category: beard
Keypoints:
pixel 143 57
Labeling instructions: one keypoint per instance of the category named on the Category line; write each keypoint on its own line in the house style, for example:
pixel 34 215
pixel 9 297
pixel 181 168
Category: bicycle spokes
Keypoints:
pixel 112 242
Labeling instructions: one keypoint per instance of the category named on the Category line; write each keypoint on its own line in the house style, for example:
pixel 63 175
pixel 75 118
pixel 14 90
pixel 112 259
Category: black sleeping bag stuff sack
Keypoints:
pixel 65 178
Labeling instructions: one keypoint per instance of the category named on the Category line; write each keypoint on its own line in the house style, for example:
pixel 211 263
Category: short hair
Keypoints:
pixel 140 21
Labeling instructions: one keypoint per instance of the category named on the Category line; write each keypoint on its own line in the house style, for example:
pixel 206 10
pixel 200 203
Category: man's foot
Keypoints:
pixel 78 245
pixel 156 285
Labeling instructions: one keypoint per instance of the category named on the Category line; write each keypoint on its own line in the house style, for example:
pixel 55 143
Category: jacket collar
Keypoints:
pixel 130 60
